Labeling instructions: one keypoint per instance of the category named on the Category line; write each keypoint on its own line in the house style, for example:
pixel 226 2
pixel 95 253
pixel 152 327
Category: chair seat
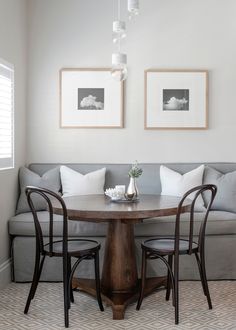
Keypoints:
pixel 166 245
pixel 76 247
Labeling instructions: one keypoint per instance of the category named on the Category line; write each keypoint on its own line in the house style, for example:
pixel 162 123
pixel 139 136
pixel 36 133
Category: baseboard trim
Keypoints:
pixel 5 273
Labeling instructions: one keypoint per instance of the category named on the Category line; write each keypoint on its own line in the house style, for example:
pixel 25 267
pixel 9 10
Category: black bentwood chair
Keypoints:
pixel 82 249
pixel 172 247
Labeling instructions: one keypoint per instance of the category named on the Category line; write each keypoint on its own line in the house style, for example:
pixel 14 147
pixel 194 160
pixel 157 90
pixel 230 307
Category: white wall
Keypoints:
pixel 168 34
pixel 13 50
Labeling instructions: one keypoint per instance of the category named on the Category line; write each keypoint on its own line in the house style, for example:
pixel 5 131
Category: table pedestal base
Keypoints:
pixel 119 300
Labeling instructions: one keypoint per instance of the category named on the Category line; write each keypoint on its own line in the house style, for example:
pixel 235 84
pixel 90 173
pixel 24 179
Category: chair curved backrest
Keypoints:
pixel 197 191
pixel 47 195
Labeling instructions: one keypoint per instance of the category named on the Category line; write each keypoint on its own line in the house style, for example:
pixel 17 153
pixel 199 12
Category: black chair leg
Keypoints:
pixel 70 283
pixel 203 267
pixel 168 288
pixel 37 272
pixel 66 291
pixel 97 280
pixel 176 288
pixel 200 272
pixel 143 278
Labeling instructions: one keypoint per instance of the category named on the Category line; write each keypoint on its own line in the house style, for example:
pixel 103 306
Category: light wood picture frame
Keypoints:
pixel 90 98
pixel 176 99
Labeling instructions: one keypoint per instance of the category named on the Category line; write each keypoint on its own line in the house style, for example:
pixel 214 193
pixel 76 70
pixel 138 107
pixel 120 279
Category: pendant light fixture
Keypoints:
pixel 119 69
pixel 119 31
pixel 119 60
pixel 133 8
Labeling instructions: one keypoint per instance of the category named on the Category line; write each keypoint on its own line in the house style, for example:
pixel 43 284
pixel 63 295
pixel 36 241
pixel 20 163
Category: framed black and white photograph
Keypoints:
pixel 176 99
pixel 90 98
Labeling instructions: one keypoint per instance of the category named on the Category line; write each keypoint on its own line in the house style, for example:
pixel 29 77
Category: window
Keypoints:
pixel 6 115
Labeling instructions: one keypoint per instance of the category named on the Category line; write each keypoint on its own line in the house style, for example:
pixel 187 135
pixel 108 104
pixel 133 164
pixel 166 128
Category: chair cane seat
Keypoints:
pixel 167 245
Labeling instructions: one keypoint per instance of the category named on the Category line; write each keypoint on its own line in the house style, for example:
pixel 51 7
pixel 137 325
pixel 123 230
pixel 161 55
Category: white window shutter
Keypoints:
pixel 6 115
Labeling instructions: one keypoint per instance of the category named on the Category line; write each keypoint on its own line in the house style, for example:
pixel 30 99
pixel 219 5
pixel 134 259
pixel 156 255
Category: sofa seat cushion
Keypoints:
pixel 218 223
pixel 23 225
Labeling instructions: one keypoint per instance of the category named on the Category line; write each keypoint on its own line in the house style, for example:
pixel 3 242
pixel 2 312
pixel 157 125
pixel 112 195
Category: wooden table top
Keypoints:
pixel 99 208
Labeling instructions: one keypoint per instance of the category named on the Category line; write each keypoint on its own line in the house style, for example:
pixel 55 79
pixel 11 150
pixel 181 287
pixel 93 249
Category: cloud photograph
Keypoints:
pixel 175 99
pixel 90 98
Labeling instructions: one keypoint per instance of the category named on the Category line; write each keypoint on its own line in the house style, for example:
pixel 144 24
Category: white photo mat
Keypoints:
pixel 176 99
pixel 90 98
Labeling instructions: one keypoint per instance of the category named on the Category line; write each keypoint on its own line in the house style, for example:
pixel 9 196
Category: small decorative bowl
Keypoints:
pixel 113 194
pixel 130 197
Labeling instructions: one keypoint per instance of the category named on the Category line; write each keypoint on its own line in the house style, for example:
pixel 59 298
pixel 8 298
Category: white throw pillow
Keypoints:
pixel 75 183
pixel 176 184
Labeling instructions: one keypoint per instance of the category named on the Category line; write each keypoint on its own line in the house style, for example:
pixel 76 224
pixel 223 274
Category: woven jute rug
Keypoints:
pixel 46 310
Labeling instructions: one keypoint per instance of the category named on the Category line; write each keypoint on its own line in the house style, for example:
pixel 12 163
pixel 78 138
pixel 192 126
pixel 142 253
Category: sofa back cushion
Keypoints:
pixel 117 174
pixel 176 184
pixel 75 183
pixel 49 180
pixel 226 194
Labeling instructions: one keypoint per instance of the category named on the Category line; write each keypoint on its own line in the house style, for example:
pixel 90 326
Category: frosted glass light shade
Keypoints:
pixel 119 70
pixel 133 8
pixel 119 31
pixel 119 58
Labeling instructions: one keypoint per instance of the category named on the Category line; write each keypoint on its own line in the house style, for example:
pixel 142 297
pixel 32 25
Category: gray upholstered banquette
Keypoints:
pixel 220 233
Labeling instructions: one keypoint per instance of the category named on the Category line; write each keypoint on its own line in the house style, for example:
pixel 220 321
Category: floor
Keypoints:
pixel 46 311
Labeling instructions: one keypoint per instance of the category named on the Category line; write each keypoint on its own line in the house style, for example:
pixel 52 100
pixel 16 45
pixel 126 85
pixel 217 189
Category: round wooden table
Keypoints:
pixel 119 282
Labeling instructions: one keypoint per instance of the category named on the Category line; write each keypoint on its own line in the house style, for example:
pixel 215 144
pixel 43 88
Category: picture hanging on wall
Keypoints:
pixel 176 99
pixel 90 98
